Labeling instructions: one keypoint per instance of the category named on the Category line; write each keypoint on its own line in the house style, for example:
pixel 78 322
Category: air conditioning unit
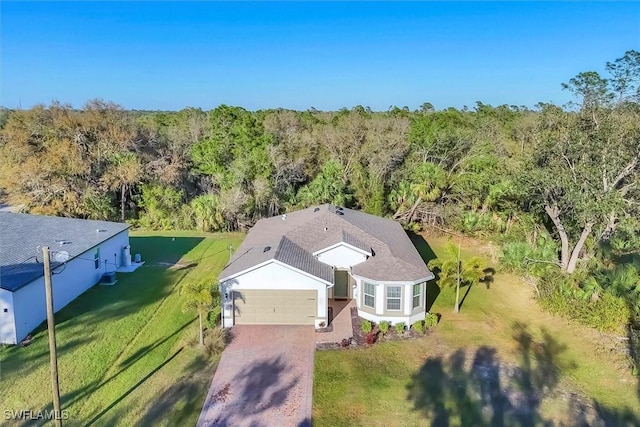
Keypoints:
pixel 108 278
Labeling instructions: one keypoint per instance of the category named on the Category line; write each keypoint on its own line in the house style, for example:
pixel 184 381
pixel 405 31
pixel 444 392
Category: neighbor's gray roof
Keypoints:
pixel 23 235
pixel 312 229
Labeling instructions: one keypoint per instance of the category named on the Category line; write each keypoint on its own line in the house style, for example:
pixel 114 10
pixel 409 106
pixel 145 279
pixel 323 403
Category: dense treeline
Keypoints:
pixel 558 187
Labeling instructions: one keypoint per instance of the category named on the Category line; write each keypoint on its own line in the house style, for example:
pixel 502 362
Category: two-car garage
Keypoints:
pixel 274 294
pixel 275 307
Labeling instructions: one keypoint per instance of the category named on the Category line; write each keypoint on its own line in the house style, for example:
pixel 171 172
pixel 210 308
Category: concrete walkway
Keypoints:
pixel 341 323
pixel 264 378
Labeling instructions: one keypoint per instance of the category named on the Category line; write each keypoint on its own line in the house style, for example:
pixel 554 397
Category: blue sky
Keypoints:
pixel 164 55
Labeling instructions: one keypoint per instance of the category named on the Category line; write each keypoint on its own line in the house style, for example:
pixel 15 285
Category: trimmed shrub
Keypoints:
pixel 213 317
pixel 399 327
pixel 215 340
pixel 418 326
pixel 370 338
pixel 430 320
pixel 366 326
pixel 384 327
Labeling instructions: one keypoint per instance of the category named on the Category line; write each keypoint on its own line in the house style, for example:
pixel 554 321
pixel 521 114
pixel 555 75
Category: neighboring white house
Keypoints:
pixel 92 248
pixel 289 266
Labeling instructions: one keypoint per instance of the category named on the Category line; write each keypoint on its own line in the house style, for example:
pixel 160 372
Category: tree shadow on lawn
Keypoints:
pixel 433 291
pixel 107 413
pixel 184 398
pixel 140 353
pixel 425 251
pixel 133 388
pixel 169 250
pixel 17 356
pixel 464 297
pixel 135 290
pixel 481 390
pixel 427 254
pixel 77 395
pixel 487 280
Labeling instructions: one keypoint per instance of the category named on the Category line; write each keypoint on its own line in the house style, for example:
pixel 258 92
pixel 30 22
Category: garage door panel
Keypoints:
pixel 276 307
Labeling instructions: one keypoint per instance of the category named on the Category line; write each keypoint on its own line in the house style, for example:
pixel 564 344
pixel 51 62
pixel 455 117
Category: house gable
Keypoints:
pixel 342 255
pixel 270 274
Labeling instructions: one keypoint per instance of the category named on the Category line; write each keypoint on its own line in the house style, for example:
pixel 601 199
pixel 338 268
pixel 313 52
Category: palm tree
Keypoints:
pixel 329 186
pixel 124 171
pixel 452 271
pixel 427 183
pixel 201 296
pixel 401 199
pixel 208 212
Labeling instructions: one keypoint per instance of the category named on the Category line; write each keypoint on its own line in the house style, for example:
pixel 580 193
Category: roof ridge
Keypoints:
pixel 283 241
pixel 295 237
pixel 302 259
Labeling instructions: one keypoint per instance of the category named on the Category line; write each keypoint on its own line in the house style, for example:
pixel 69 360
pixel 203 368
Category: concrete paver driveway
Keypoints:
pixel 264 378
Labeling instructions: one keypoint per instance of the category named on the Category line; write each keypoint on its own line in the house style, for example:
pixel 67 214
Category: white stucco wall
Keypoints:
pixel 278 277
pixel 79 275
pixel 408 320
pixel 7 323
pixel 341 256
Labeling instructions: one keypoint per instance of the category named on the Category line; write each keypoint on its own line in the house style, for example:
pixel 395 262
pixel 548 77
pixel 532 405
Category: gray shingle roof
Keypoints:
pixel 355 242
pixel 312 229
pixel 22 234
pixel 293 255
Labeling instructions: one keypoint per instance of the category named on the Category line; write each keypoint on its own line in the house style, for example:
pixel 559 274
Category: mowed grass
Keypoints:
pixel 123 357
pixel 376 386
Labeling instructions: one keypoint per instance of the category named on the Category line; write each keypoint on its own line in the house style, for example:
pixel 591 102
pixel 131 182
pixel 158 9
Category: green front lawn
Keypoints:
pixel 122 350
pixel 427 381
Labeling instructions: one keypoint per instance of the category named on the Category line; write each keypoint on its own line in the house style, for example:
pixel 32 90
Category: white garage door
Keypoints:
pixel 271 307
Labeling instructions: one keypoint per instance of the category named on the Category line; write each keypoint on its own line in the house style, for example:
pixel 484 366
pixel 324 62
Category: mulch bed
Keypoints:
pixel 359 339
pixel 391 335
pixel 325 329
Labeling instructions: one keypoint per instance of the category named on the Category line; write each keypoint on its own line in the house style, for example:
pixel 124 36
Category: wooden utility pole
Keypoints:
pixel 53 357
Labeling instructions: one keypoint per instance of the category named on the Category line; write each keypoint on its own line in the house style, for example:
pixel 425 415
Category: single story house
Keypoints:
pixel 81 251
pixel 290 266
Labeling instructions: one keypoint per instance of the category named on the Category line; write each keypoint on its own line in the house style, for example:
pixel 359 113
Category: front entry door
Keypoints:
pixel 341 286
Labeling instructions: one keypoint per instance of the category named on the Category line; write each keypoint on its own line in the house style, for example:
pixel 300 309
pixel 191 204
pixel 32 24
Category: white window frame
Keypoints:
pixel 96 258
pixel 418 295
pixel 388 298
pixel 365 294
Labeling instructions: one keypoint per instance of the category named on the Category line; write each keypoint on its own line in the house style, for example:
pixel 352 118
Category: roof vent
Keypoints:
pixel 266 249
pixel 284 216
pixel 340 208
pixel 100 230
pixel 64 242
pixel 316 209
pixel 339 213
pixel 325 229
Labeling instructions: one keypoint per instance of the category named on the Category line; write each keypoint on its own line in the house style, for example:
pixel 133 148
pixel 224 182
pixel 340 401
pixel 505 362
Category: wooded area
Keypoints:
pixel 557 187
